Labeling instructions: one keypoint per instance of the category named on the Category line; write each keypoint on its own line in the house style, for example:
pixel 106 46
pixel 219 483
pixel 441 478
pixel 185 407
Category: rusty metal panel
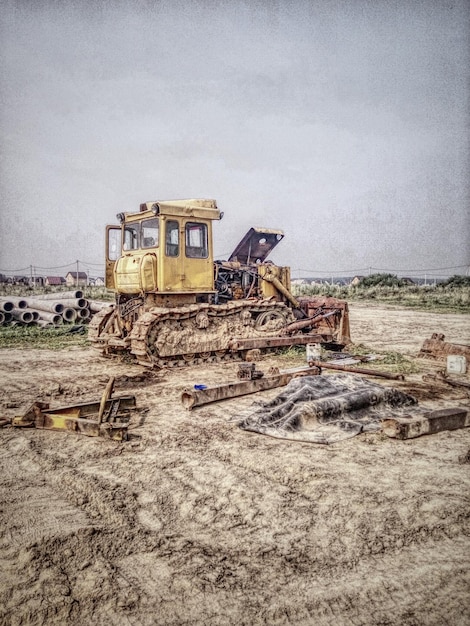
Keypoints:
pixel 256 245
pixel 437 348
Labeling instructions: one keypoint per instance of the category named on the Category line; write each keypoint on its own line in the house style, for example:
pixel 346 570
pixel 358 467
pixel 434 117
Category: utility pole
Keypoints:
pixel 76 277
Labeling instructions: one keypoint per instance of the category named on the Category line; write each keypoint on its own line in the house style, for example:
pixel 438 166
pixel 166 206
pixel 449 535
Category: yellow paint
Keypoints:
pixel 154 270
pixel 281 273
pixel 59 422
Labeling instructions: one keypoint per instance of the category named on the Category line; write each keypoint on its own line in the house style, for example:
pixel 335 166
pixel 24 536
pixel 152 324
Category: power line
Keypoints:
pixel 381 270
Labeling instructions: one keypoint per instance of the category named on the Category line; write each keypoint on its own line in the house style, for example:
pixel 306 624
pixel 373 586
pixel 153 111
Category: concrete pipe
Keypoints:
pixel 19 303
pixel 76 303
pixel 84 314
pixel 53 318
pixel 69 314
pixel 6 305
pixel 22 316
pixel 60 295
pixel 44 305
pixel 96 306
pixel 46 324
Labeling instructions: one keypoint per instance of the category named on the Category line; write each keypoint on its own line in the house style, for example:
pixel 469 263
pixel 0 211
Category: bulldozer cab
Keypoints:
pixel 165 248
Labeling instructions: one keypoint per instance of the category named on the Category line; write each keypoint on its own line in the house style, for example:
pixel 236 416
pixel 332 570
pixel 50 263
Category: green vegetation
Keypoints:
pixel 382 280
pixel 49 338
pixel 451 296
pixel 393 362
pixel 455 282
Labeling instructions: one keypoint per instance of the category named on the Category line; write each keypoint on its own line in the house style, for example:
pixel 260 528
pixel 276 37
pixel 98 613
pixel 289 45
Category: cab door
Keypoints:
pixel 113 252
pixel 171 267
pixel 198 260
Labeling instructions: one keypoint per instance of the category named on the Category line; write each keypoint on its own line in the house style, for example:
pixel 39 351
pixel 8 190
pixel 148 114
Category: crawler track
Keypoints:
pixel 174 337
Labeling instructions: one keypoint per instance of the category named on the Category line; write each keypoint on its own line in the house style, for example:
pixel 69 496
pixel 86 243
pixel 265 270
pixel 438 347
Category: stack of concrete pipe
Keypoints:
pixel 48 310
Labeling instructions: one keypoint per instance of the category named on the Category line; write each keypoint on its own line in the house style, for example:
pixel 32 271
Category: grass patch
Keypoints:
pixel 58 338
pixel 437 298
pixel 392 362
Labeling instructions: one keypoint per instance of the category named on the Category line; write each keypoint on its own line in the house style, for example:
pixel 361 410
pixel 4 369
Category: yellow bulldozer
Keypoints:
pixel 175 305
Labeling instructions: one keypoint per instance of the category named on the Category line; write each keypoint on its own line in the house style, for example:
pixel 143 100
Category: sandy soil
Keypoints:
pixel 194 521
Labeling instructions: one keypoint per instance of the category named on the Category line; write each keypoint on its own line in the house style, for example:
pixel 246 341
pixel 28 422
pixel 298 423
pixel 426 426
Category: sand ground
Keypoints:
pixel 196 522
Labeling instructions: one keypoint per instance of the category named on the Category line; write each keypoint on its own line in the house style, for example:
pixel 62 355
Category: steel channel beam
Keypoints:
pixel 277 342
pixel 197 397
pixel 357 370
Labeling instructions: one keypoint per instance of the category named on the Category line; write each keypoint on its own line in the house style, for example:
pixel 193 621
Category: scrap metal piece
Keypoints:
pixel 249 343
pixel 197 397
pixel 108 418
pixel 357 370
pixel 427 424
pixel 437 348
pixel 441 377
pixel 248 371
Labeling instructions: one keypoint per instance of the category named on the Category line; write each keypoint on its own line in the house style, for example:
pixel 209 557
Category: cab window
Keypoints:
pixel 131 237
pixel 172 238
pixel 196 241
pixel 150 233
pixel 114 243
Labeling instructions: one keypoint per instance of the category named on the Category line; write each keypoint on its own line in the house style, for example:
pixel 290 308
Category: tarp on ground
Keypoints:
pixel 327 409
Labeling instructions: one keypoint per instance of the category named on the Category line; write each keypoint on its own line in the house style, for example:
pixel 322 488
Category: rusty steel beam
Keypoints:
pixel 310 321
pixel 277 342
pixel 197 397
pixel 427 424
pixel 356 370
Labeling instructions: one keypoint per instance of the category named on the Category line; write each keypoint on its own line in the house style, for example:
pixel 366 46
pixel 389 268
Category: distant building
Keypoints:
pixel 356 280
pixel 76 279
pixel 54 281
pixel 99 282
pixel 19 280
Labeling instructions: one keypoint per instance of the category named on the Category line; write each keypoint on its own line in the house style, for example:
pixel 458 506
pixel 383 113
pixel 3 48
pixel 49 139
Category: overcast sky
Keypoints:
pixel 343 122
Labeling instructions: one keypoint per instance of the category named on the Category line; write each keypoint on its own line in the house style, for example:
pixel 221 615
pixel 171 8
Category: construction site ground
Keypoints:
pixel 196 522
